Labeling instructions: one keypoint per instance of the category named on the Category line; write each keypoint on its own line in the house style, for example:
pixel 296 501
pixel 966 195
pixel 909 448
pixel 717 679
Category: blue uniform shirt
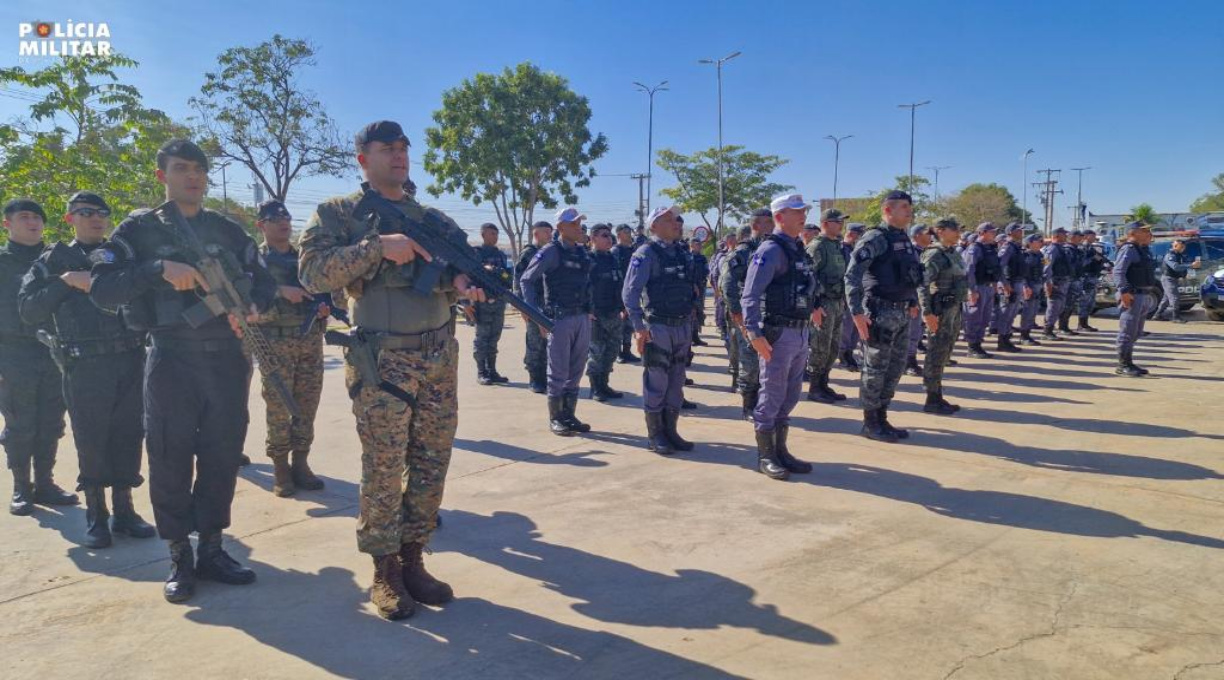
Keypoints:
pixel 642 267
pixel 547 259
pixel 768 262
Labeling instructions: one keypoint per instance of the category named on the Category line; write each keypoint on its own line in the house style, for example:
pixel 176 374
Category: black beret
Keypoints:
pixel 273 209
pixel 382 131
pixel 88 198
pixel 181 148
pixel 19 204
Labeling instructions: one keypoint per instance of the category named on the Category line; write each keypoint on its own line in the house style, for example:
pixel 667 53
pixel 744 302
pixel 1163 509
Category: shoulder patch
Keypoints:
pixel 102 256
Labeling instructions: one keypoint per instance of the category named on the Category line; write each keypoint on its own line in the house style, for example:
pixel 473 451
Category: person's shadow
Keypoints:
pixel 613 591
pixel 519 454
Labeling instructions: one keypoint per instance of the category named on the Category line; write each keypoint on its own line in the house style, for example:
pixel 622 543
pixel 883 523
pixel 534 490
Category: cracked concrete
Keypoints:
pixel 1066 526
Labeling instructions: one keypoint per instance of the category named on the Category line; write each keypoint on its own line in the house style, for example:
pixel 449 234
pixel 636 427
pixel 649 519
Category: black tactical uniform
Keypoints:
pixel 490 318
pixel 607 311
pixel 535 360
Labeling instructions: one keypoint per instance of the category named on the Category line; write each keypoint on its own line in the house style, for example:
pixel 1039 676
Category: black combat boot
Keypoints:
pixel 46 491
pixel 767 456
pixel 698 342
pixel 596 391
pixel 125 520
pixel 282 477
pixel 303 476
pixel 1084 326
pixel 872 429
pixel 884 424
pixel 491 368
pixel 1048 334
pixel 976 351
pixel 482 372
pixel 687 405
pixel 214 564
pixel 608 391
pixel 783 453
pixel 421 585
pixel 935 404
pixel 23 492
pixel 1065 327
pixel 97 531
pixel 671 418
pixel 243 460
pixel 571 404
pixel 1004 344
pixel 180 584
pixel 849 363
pixel 556 418
pixel 388 593
pixel 656 434
pixel 749 397
pixel 1130 359
pixel 1027 339
pixel 829 391
pixel 912 367
pixel 538 381
pixel 1125 367
pixel 816 394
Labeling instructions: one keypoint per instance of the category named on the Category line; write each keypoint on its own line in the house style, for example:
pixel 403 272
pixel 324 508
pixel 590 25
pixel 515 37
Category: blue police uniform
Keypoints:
pixel 1134 274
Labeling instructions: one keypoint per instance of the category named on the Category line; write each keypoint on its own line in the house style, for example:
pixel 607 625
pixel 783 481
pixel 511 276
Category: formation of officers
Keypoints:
pixel 118 332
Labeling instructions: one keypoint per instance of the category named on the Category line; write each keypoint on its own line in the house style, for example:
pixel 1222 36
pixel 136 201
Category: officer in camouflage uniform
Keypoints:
pixel 401 372
pixel 490 315
pixel 535 359
pixel 607 313
pixel 920 239
pixel 849 338
pixel 294 328
pixel 882 291
pixel 720 307
pixel 734 272
pixel 102 361
pixel 944 289
pixel 829 265
pixel 31 397
pixel 701 273
pixel 625 245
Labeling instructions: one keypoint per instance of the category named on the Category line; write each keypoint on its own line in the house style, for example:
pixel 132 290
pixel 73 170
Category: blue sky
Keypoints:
pixel 1132 89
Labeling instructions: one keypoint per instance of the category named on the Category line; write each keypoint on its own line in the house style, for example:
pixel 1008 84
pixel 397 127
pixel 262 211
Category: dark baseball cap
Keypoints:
pixel 24 204
pixel 898 195
pixel 1013 227
pixel 985 227
pixel 1090 232
pixel 1060 230
pixel 1130 226
pixel 623 227
pixel 382 131
pixel 87 198
pixel 1076 232
pixel 918 229
pixel 272 210
pixel 762 212
pixel 1033 238
pixel 832 215
pixel 947 223
pixel 810 227
pixel 857 228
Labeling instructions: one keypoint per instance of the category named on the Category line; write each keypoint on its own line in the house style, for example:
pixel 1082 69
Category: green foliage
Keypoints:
pixel 1211 201
pixel 517 139
pixel 241 213
pixel 1145 213
pixel 924 208
pixel 746 184
pixel 87 131
pixel 252 110
pixel 978 203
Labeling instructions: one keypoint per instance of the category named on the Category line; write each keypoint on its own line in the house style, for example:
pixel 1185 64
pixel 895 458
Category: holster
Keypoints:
pixel 57 352
pixel 656 357
pixel 362 353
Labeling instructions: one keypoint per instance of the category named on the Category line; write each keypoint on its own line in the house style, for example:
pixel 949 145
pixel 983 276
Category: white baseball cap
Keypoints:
pixel 792 201
pixel 569 214
pixel 661 211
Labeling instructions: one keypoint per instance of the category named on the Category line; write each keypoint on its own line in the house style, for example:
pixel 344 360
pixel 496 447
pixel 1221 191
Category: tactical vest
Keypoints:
pixel 670 293
pixel 1094 262
pixel 701 267
pixel 1170 272
pixel 565 287
pixel 1141 275
pixel 526 255
pixel 952 277
pixel 623 255
pixel 1059 262
pixel 896 273
pixel 832 272
pixel 78 320
pixel 791 295
pixel 284 268
pixel 1015 265
pixel 15 261
pixel 987 268
pixel 606 283
pixel 1034 267
pixel 1075 257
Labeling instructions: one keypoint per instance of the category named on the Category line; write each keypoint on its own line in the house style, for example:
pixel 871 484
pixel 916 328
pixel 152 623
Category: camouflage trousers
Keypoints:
pixel 405 447
pixel 884 356
pixel 605 343
pixel 731 335
pixel 939 348
pixel 749 362
pixel 535 360
pixel 301 369
pixel 826 340
pixel 490 318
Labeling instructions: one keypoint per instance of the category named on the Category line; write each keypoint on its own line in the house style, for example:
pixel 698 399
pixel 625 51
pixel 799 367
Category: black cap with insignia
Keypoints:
pixel 273 209
pixel 382 131
pixel 87 198
pixel 24 204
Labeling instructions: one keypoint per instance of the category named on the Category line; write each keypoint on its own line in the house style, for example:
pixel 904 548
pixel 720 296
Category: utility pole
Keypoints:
pixel 1024 187
pixel 836 158
pixel 641 178
pixel 936 169
pixel 912 107
pixel 1048 190
pixel 1078 221
pixel 650 93
pixel 718 64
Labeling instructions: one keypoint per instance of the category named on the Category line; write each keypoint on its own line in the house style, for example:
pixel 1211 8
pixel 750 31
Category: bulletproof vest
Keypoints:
pixel 1094 262
pixel 1034 267
pixel 623 255
pixel 77 319
pixel 565 287
pixel 1060 263
pixel 526 255
pixel 1170 272
pixel 896 274
pixel 701 267
pixel 1141 275
pixel 952 275
pixel 670 293
pixel 987 269
pixel 1015 265
pixel 15 261
pixel 832 272
pixel 1075 257
pixel 791 295
pixel 606 283
pixel 284 268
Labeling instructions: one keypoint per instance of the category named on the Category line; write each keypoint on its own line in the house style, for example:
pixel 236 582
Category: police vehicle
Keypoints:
pixel 1206 243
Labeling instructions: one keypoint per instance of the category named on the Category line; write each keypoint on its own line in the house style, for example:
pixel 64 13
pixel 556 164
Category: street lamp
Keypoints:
pixel 1079 197
pixel 912 107
pixel 718 64
pixel 936 169
pixel 1024 186
pixel 650 93
pixel 836 157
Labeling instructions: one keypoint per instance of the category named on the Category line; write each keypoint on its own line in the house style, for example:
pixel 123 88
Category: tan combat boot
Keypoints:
pixel 388 593
pixel 423 587
pixel 303 476
pixel 282 485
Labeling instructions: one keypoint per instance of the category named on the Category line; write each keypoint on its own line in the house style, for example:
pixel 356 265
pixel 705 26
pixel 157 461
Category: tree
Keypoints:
pixel 746 184
pixel 1145 213
pixel 924 209
pixel 241 213
pixel 978 203
pixel 518 139
pixel 253 111
pixel 86 130
pixel 1211 201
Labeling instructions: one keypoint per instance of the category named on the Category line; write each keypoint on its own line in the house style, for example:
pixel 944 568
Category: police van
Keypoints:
pixel 1207 243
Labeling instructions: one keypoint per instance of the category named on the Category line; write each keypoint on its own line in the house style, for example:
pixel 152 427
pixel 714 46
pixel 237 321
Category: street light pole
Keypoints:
pixel 650 93
pixel 1079 197
pixel 1024 186
pixel 718 63
pixel 913 108
pixel 936 169
pixel 836 158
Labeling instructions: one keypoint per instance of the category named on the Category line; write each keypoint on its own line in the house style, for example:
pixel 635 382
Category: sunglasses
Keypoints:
pixel 90 212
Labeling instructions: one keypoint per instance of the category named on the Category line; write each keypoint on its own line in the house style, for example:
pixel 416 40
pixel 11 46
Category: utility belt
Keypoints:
pixel 783 322
pixel 282 332
pixel 65 351
pixel 180 344
pixel 876 305
pixel 364 347
pixel 942 302
pixel 666 320
pixel 558 313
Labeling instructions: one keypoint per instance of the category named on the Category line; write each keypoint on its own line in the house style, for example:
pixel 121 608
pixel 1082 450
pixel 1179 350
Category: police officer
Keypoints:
pixel 195 378
pixel 944 289
pixel 809 234
pixel 1095 263
pixel 829 265
pixel 735 272
pixel 607 313
pixel 623 250
pixel 102 361
pixel 1074 288
pixel 658 295
pixel 565 267
pixel 1034 268
pixel 491 314
pixel 882 292
pixel 1056 277
pixel 733 335
pixel 720 307
pixel 701 273
pixel 535 358
pixel 850 337
pixel 1135 277
pixel 1011 286
pixel 294 327
pixel 982 270
pixel 31 397
pixel 779 303
pixel 1172 271
pixel 920 239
